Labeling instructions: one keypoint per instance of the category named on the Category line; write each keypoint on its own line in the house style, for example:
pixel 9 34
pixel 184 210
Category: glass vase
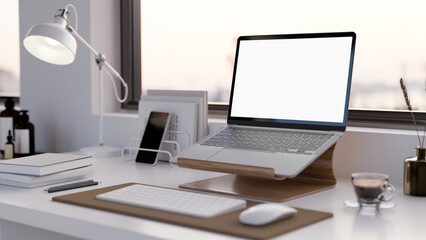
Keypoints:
pixel 415 173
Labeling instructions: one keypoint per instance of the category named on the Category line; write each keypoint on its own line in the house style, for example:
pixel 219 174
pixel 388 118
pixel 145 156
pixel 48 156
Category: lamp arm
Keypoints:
pixel 126 88
pixel 75 33
pixel 101 59
pixel 76 15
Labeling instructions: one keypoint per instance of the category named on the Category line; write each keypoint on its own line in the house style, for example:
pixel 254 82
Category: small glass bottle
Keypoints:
pixel 24 136
pixel 415 173
pixel 8 119
pixel 9 147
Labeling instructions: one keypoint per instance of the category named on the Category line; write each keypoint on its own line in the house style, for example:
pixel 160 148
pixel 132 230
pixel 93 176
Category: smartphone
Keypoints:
pixel 153 137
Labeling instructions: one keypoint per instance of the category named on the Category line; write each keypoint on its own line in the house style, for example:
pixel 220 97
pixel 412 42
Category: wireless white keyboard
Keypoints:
pixel 173 200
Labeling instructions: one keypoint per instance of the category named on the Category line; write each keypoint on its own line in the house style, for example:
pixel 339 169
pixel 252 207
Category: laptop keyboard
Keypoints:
pixel 268 140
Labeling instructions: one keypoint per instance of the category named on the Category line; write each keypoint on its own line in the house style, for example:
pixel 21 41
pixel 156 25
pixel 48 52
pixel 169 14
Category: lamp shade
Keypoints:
pixel 52 43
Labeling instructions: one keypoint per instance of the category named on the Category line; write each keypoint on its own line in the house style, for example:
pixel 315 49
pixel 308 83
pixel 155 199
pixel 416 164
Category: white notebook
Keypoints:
pixel 43 164
pixel 29 181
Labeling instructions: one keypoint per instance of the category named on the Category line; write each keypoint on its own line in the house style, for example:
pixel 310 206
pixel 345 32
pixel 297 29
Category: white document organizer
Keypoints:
pixel 183 119
pixel 202 126
pixel 187 96
pixel 171 158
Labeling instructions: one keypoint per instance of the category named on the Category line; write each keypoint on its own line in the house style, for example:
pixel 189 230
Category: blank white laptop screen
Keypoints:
pixel 292 79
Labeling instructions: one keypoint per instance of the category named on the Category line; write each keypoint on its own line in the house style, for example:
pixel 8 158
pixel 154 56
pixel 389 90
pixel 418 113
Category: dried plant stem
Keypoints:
pixel 424 133
pixel 415 125
pixel 407 101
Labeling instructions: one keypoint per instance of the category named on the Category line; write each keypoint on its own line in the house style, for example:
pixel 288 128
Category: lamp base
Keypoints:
pixel 101 151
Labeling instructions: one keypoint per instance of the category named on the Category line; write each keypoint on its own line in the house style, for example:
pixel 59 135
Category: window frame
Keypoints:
pixel 396 119
pixel 130 45
pixel 131 70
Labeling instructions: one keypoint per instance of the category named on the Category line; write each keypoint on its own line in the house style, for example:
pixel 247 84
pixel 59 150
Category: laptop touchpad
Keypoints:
pixel 244 157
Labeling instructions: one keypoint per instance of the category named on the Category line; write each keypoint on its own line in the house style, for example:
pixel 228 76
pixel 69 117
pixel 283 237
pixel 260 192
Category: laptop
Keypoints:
pixel 283 86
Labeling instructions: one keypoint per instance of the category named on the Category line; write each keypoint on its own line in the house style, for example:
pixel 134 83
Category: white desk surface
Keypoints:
pixel 34 207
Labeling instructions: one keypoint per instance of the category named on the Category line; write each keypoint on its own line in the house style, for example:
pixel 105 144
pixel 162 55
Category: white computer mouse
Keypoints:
pixel 265 213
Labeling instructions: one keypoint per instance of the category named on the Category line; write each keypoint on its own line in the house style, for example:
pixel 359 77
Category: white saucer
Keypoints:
pixel 353 203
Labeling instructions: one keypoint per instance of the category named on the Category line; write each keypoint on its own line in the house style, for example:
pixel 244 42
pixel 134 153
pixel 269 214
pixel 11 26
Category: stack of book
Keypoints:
pixel 44 169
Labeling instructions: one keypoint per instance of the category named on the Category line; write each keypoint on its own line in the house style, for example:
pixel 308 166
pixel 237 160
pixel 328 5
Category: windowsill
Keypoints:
pixel 123 114
pixel 381 130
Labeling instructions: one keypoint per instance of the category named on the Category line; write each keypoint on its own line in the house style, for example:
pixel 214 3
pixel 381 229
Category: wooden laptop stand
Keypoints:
pixel 261 183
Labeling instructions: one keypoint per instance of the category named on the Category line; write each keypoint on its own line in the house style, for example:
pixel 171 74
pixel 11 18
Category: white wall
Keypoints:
pixel 374 150
pixel 60 101
pixel 59 98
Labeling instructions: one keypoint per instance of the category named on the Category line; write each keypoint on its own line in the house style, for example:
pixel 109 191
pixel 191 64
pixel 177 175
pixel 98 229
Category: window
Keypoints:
pixel 9 49
pixel 190 44
pixel 130 50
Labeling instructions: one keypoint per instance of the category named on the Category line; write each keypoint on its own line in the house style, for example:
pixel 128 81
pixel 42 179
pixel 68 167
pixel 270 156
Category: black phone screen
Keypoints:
pixel 153 136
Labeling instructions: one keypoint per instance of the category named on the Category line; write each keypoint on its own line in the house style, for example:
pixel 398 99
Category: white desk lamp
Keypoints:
pixel 55 43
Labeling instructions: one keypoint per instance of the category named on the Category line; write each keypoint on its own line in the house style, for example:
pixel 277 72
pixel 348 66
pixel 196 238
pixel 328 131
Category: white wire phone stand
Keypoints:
pixel 172 159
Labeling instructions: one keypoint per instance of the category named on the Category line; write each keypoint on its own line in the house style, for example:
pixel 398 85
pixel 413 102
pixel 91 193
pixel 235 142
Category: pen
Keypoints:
pixel 71 186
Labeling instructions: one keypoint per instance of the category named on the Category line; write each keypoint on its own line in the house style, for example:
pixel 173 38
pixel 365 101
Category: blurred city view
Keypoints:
pixel 380 96
pixel 193 48
pixel 9 48
pixel 377 96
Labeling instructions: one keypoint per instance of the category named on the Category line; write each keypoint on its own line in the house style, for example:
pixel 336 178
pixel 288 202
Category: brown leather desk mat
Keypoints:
pixel 227 224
